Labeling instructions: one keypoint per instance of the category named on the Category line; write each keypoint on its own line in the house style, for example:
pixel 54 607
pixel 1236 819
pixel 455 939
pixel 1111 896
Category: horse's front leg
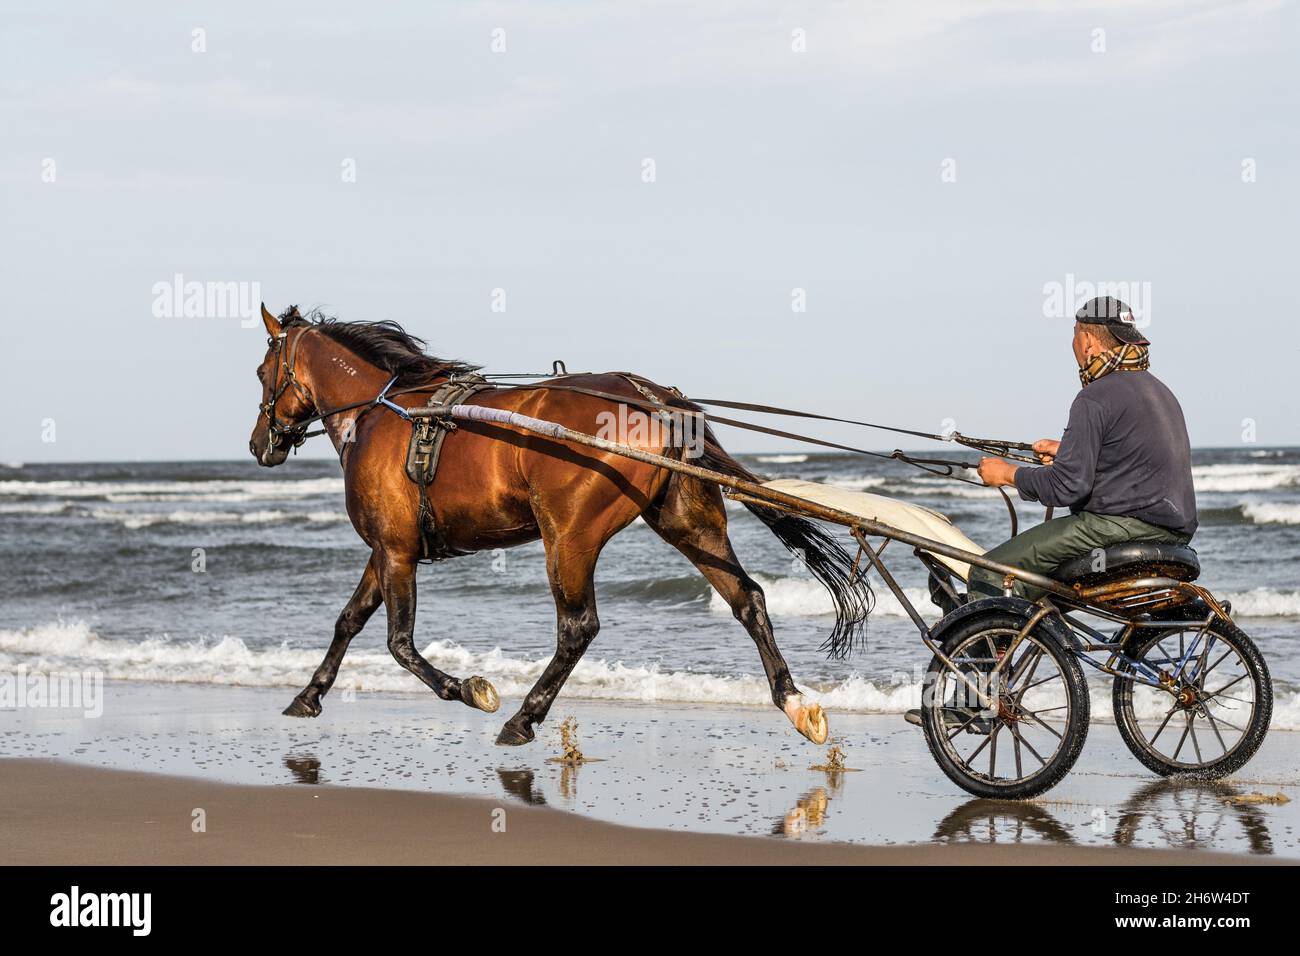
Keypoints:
pixel 356 613
pixel 397 582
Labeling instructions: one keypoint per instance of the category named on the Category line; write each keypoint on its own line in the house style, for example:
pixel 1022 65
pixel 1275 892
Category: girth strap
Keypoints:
pixel 422 454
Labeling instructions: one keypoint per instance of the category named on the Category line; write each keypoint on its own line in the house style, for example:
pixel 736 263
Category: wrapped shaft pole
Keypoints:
pixel 779 499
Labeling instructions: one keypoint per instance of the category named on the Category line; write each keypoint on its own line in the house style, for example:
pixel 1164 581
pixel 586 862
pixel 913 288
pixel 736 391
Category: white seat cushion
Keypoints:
pixel 890 511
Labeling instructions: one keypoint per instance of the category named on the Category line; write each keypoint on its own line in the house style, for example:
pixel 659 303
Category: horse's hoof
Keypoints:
pixel 512 736
pixel 808 719
pixel 479 692
pixel 302 708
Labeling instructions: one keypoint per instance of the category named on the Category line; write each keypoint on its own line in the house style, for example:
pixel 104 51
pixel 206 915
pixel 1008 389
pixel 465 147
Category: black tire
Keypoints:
pixel 1232 753
pixel 944 723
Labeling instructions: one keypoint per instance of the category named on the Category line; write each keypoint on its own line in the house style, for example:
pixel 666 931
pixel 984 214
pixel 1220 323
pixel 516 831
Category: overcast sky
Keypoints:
pixel 922 170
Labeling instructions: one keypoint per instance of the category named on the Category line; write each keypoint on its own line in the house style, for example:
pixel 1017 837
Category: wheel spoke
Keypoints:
pixel 1216 693
pixel 1057 676
pixel 1214 725
pixel 1224 720
pixel 969 721
pixel 1164 723
pixel 1016 733
pixel 1183 739
pixel 978 750
pixel 1210 669
pixel 1200 665
pixel 1034 716
pixel 1240 700
pixel 1021 671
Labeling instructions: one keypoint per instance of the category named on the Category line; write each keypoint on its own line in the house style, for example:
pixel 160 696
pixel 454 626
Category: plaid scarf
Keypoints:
pixel 1125 358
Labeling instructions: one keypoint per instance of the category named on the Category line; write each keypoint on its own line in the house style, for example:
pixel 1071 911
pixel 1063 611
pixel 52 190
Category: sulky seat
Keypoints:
pixel 1133 559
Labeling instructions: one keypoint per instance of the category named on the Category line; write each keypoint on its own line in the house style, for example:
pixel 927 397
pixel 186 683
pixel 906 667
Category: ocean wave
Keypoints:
pixel 146 519
pixel 1232 477
pixel 23 508
pixel 804 596
pixel 942 488
pixel 858 483
pixel 223 490
pixel 1264 602
pixel 782 459
pixel 65 646
pixel 1272 512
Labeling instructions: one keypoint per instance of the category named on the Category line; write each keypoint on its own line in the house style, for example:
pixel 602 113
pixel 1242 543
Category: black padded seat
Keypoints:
pixel 1133 559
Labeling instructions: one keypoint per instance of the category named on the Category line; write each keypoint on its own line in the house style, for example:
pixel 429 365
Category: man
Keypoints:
pixel 1123 466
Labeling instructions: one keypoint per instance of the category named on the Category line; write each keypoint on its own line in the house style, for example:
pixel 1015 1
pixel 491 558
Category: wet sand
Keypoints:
pixel 406 778
pixel 63 814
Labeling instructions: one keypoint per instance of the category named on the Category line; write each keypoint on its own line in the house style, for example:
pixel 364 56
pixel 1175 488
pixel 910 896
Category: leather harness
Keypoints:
pixel 422 454
pixel 429 432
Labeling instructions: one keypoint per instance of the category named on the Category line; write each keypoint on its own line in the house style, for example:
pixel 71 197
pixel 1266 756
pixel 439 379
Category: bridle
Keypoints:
pixel 277 431
pixel 295 433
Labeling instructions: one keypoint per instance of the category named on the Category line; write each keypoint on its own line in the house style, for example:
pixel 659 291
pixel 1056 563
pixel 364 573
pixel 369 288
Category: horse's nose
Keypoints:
pixel 252 449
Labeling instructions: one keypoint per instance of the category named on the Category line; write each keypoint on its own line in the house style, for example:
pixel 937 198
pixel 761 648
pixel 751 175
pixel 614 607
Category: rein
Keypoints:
pixel 940 467
pixel 298 432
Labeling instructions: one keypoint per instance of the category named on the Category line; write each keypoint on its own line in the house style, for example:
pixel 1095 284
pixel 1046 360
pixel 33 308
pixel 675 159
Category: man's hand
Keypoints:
pixel 1046 449
pixel 995 471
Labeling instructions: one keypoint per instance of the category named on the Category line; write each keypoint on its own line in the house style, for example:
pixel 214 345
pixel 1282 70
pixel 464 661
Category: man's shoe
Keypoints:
pixel 979 725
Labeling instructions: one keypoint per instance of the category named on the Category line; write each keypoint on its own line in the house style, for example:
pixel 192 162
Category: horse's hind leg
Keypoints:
pixel 358 610
pixel 692 517
pixel 570 565
pixel 397 582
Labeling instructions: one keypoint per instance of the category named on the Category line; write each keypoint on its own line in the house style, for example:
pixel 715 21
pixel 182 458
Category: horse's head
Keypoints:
pixel 287 406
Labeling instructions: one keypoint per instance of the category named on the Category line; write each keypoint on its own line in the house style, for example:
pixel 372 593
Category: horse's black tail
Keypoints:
pixel 820 552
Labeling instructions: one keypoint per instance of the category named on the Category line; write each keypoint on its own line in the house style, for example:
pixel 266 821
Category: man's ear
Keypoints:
pixel 271 322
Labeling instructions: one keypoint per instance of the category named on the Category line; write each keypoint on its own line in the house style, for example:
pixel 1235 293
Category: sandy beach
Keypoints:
pixel 402 778
pixel 62 814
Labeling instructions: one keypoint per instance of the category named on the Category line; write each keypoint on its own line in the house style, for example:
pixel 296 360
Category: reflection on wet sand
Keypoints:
pixel 522 785
pixel 1001 821
pixel 807 815
pixel 1192 814
pixel 304 767
pixel 1166 814
pixel 569 780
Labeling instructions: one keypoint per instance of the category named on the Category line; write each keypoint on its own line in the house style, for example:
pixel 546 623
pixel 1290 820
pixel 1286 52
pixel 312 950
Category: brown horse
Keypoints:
pixel 498 487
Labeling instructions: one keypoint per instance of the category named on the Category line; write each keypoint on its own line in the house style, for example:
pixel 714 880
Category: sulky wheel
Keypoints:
pixel 1212 709
pixel 1033 736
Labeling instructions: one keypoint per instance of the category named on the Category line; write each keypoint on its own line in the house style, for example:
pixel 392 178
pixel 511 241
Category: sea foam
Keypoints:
pixel 228 661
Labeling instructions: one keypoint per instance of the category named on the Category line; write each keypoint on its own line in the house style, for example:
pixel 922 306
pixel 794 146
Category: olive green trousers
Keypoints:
pixel 1047 546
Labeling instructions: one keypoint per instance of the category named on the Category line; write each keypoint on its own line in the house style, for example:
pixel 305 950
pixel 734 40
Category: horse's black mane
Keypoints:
pixel 384 344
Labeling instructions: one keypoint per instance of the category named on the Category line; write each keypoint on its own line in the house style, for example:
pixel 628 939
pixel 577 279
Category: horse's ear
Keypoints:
pixel 271 322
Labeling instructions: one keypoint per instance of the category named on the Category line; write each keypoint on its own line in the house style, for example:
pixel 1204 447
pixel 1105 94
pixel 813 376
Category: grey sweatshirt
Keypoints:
pixel 1125 452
